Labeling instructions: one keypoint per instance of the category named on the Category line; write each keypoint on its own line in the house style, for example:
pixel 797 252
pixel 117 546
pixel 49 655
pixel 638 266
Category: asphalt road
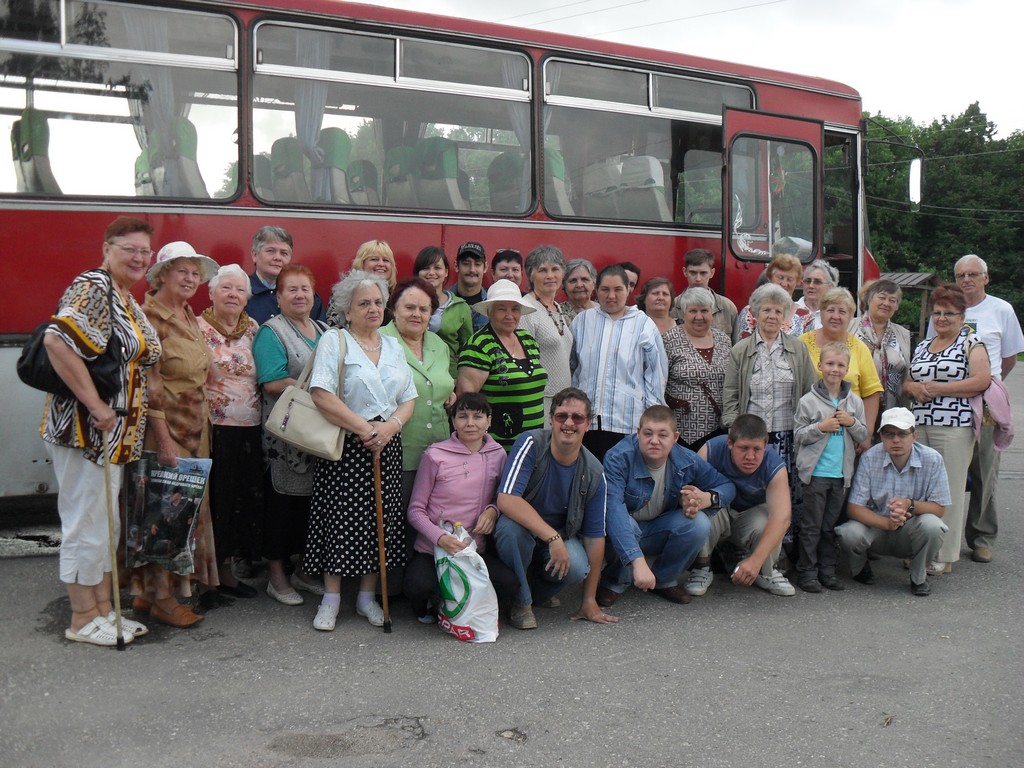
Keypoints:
pixel 868 677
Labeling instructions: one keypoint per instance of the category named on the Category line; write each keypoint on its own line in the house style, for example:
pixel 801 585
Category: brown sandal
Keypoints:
pixel 141 605
pixel 181 617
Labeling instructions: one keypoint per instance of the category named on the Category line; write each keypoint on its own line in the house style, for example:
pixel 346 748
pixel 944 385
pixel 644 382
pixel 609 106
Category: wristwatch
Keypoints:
pixel 912 507
pixel 716 502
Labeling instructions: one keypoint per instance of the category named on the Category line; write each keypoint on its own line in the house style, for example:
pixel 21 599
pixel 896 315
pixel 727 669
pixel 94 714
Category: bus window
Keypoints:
pixel 418 124
pixel 773 194
pixel 137 101
pixel 636 145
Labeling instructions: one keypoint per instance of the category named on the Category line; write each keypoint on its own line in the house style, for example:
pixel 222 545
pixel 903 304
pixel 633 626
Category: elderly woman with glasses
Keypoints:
pixel 946 371
pixel 784 270
pixel 819 277
pixel 545 267
pixel 889 343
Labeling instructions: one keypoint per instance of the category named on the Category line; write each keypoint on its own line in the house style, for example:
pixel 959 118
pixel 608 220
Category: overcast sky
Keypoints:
pixel 916 58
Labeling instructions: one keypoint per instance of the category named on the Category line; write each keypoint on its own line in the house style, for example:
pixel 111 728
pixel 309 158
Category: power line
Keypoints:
pixel 686 18
pixel 587 13
pixel 948 207
pixel 544 10
pixel 977 219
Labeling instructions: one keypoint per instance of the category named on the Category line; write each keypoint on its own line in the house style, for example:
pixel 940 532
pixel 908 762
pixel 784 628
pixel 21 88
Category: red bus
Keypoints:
pixel 344 123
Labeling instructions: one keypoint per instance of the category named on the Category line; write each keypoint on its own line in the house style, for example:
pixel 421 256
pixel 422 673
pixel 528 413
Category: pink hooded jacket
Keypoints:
pixel 997 398
pixel 453 485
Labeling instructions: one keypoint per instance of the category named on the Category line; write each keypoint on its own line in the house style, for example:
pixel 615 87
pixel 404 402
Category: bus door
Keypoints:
pixel 771 201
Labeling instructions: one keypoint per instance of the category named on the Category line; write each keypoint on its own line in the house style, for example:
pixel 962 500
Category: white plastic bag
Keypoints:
pixel 469 605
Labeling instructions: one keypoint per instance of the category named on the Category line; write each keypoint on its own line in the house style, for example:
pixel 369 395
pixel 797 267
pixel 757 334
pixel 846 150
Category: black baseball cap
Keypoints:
pixel 471 250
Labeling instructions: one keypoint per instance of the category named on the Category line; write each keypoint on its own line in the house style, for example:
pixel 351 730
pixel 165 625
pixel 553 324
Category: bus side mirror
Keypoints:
pixel 914 190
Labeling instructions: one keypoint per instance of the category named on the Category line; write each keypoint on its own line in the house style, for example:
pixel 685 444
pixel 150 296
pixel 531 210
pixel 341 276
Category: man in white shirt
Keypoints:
pixel 996 324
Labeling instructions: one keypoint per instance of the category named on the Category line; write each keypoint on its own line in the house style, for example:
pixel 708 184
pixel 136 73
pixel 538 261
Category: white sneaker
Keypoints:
pixel 777 584
pixel 699 581
pixel 326 616
pixel 137 628
pixel 373 613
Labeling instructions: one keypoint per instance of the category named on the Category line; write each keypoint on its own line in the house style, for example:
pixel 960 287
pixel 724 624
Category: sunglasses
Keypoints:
pixel 577 418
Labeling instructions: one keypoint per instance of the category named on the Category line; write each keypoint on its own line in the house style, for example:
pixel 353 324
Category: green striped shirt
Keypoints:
pixel 514 388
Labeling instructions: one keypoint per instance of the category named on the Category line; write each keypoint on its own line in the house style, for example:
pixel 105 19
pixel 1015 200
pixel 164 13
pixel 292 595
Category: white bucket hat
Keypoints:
pixel 179 249
pixel 503 290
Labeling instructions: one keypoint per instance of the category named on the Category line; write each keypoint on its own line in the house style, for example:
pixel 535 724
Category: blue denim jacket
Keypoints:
pixel 630 486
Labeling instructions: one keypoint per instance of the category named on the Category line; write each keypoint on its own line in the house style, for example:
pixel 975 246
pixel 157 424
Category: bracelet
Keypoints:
pixel 401 424
pixel 553 539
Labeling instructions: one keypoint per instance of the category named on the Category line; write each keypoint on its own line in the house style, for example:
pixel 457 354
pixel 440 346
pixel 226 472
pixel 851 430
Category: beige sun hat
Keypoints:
pixel 503 290
pixel 179 249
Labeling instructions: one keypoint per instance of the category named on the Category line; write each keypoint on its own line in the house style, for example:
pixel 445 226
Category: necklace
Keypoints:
pixel 555 315
pixel 369 347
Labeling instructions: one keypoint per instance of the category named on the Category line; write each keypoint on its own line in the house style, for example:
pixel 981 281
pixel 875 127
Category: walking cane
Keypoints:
pixel 113 541
pixel 380 543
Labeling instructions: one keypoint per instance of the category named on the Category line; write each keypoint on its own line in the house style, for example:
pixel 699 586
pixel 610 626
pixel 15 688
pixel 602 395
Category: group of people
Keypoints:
pixel 592 441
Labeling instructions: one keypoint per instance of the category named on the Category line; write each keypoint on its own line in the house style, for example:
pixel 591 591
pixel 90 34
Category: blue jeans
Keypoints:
pixel 673 537
pixel 517 548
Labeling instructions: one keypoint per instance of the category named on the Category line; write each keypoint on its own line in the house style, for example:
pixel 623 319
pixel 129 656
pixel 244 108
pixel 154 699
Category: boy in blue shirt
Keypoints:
pixel 829 423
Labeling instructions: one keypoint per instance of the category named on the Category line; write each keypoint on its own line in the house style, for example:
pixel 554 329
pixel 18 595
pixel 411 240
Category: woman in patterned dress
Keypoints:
pixel 549 327
pixel 72 427
pixel 375 400
pixel 179 424
pixel 697 357
pixel 945 372
pixel 233 397
pixel 503 362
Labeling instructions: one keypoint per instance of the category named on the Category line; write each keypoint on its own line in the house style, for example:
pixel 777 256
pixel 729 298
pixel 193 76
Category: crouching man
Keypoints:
pixel 552 502
pixel 660 500
pixel 759 515
pixel 899 494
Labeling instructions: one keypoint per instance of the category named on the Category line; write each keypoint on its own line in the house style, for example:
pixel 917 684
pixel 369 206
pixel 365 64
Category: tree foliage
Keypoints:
pixel 973 199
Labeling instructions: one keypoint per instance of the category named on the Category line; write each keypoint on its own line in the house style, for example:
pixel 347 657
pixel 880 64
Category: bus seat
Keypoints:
pixel 505 182
pixel 363 183
pixel 336 147
pixel 600 187
pixel 184 144
pixel 144 176
pixel 33 146
pixel 262 177
pixel 399 190
pixel 437 174
pixel 556 191
pixel 641 193
pixel 286 162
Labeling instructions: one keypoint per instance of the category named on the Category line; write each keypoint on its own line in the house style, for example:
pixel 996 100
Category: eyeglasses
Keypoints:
pixel 577 418
pixel 814 281
pixel 892 434
pixel 944 315
pixel 969 275
pixel 132 251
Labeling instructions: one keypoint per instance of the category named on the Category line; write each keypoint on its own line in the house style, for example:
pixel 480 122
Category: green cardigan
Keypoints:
pixel 434 384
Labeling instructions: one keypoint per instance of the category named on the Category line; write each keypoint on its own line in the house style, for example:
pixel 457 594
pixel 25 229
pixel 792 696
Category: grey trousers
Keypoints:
pixel 918 539
pixel 981 524
pixel 743 529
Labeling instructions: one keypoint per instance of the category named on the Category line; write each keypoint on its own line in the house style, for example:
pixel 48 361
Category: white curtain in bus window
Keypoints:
pixel 138 101
pixel 398 123
pixel 633 145
pixel 771 206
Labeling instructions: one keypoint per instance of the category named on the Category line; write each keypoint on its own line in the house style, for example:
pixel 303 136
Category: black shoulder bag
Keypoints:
pixel 35 369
